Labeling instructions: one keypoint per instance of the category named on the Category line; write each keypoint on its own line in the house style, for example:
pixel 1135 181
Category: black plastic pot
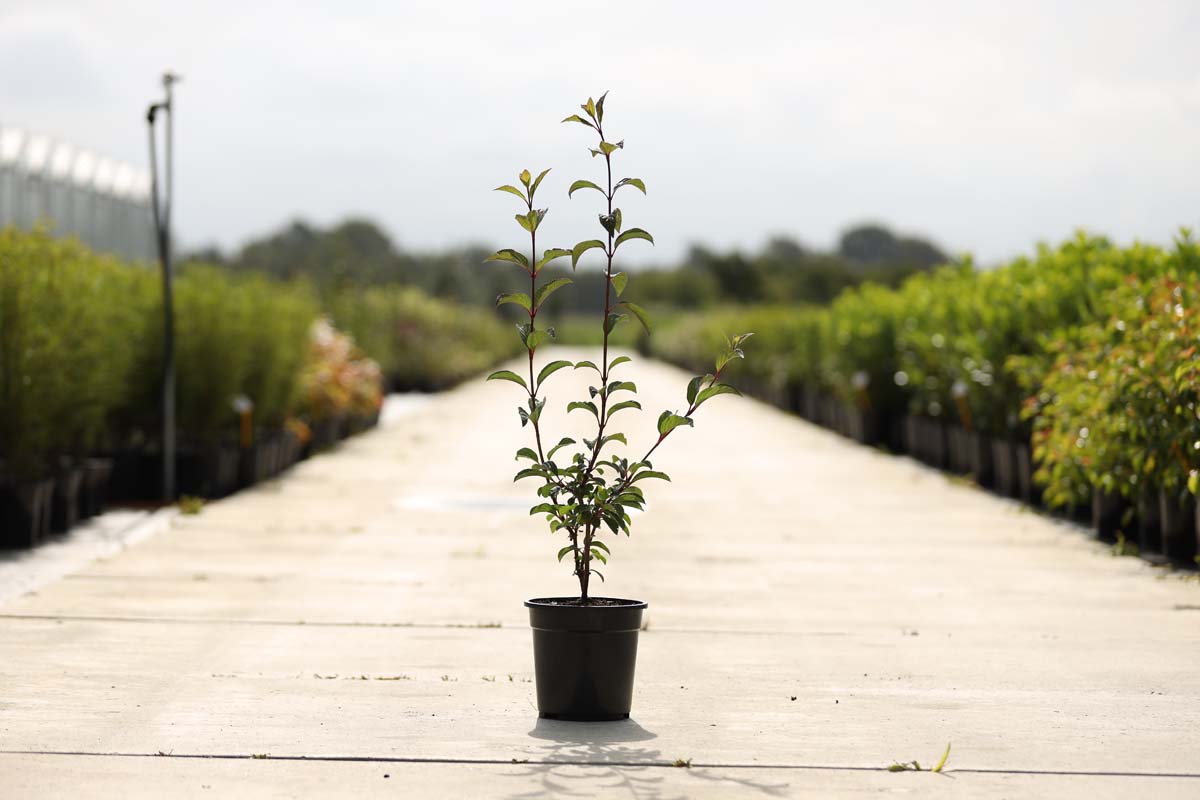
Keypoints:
pixel 25 512
pixel 1004 468
pixel 956 449
pixel 252 464
pixel 64 508
pixel 1149 523
pixel 1027 490
pixel 136 475
pixel 1177 518
pixel 934 442
pixel 97 472
pixel 979 457
pixel 1108 513
pixel 584 657
pixel 810 402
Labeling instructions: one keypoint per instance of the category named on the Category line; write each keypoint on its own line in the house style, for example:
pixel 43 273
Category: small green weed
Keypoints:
pixel 915 766
pixel 191 505
pixel 1124 547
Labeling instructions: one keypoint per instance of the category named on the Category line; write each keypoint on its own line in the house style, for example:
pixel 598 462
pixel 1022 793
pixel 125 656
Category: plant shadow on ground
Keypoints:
pixel 612 759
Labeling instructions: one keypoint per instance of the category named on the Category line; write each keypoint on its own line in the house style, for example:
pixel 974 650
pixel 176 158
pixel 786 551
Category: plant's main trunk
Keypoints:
pixel 585 571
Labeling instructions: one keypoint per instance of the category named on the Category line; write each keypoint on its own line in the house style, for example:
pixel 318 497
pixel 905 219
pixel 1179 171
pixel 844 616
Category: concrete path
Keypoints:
pixel 818 610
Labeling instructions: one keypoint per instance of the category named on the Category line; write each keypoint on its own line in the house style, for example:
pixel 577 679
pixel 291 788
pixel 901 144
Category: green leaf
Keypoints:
pixel 608 147
pixel 543 508
pixel 549 289
pixel 612 321
pixel 532 219
pixel 622 405
pixel 638 312
pixel 600 108
pixel 537 181
pixel 550 369
pixel 588 364
pixel 616 437
pixel 582 248
pixel 517 298
pixel 694 386
pixel 633 233
pixel 634 182
pixel 579 119
pixel 649 473
pixel 524 176
pixel 713 391
pixel 529 472
pixel 596 554
pixel 618 360
pixel 609 223
pixel 618 281
pixel 564 551
pixel 617 386
pixel 509 255
pixel 617 219
pixel 551 254
pixel 527 452
pixel 669 421
pixel 536 338
pixel 590 108
pixel 512 190
pixel 727 356
pixel 585 405
pixel 561 443
pixel 508 375
pixel 582 184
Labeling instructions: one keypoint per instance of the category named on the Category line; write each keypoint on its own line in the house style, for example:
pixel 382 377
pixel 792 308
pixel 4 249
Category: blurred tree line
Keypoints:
pixel 358 253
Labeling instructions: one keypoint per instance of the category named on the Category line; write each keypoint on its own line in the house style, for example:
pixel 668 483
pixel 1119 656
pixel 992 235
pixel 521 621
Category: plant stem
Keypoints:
pixel 584 569
pixel 537 431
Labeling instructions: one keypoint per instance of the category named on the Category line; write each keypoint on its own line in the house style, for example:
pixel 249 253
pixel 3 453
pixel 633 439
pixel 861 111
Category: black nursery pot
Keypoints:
pixel 584 656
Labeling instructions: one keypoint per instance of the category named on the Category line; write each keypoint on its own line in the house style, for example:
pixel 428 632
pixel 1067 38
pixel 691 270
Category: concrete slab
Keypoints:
pixel 817 611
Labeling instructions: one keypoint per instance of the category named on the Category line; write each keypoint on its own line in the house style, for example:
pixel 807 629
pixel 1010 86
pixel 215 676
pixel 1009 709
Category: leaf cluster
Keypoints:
pixel 589 487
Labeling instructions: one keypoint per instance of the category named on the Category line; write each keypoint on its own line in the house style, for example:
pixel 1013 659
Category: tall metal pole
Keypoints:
pixel 168 391
pixel 162 220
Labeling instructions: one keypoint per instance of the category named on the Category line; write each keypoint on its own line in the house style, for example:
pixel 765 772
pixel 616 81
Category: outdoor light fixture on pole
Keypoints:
pixel 162 229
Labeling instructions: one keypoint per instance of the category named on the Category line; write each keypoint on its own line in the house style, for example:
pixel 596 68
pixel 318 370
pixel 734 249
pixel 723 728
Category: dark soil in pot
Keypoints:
pixel 585 656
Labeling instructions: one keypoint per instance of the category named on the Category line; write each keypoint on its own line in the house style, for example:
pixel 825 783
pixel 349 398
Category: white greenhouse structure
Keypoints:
pixel 75 192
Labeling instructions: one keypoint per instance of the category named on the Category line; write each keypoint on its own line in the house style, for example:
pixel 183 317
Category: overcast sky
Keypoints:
pixel 984 128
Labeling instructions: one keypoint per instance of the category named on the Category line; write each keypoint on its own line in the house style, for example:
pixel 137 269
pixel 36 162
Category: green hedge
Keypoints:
pixel 69 340
pixel 422 343
pixel 81 350
pixel 1027 349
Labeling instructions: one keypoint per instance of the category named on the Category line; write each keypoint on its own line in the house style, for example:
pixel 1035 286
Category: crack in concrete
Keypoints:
pixel 345 624
pixel 589 763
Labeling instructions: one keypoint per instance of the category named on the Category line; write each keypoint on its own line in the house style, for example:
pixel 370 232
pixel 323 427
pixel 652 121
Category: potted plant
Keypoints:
pixel 585 647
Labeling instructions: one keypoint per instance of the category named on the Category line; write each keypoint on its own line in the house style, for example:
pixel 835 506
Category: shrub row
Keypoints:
pixel 261 376
pixel 421 343
pixel 1078 360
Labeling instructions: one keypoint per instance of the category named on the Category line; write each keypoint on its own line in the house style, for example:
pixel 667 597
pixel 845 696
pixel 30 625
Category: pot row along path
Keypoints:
pixel 818 611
